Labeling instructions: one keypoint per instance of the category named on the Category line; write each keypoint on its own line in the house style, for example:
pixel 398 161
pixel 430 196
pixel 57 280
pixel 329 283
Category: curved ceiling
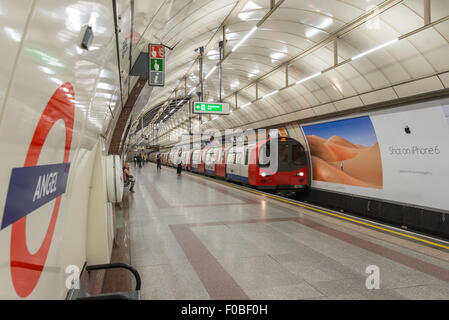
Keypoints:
pixel 330 40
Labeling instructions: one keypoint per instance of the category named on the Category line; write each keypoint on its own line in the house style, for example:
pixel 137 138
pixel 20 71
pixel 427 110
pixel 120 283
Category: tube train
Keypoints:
pixel 247 164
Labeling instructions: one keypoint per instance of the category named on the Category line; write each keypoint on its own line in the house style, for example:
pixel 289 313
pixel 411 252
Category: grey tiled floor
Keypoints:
pixel 268 260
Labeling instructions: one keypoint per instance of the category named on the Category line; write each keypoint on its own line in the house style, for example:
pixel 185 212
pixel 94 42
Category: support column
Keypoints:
pixel 220 71
pixel 202 85
pixel 427 13
pixel 335 51
pixel 257 90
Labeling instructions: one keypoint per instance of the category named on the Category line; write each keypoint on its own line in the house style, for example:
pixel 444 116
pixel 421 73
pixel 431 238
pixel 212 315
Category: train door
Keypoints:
pixel 231 167
pixel 242 168
pixel 185 154
pixel 189 160
pixel 202 163
pixel 208 161
pixel 195 160
pixel 219 164
pixel 245 161
pixel 213 158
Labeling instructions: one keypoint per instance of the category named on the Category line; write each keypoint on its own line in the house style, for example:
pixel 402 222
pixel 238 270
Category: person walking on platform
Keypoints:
pixel 158 161
pixel 139 161
pixel 179 163
pixel 143 159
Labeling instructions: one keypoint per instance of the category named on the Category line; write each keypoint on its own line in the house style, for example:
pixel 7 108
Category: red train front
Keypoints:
pixel 280 164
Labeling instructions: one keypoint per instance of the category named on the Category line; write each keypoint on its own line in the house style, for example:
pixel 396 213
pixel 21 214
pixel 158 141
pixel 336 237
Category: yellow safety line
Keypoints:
pixel 343 217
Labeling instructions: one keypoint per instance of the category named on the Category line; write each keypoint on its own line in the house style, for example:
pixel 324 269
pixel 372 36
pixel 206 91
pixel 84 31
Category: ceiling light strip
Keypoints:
pixel 210 72
pixel 244 38
pixel 270 94
pixel 374 49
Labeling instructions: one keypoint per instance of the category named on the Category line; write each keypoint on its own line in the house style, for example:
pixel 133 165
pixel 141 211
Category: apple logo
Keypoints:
pixel 407 130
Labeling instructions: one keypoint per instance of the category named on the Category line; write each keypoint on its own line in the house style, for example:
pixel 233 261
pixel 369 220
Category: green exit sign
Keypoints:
pixel 211 107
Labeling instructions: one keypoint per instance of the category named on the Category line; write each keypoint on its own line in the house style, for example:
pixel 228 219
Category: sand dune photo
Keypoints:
pixel 345 152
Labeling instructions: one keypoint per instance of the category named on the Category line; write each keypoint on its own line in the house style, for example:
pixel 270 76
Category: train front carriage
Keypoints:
pixel 279 164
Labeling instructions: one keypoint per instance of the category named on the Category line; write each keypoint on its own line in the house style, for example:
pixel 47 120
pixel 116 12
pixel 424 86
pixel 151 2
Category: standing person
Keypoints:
pixel 158 161
pixel 179 163
pixel 139 161
pixel 143 159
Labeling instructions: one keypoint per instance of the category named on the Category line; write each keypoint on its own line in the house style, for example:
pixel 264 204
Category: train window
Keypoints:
pixel 264 155
pixel 246 156
pixel 230 157
pixel 283 152
pixel 195 157
pixel 238 158
pixel 299 154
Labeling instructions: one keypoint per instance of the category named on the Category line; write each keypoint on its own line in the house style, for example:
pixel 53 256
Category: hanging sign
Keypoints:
pixel 211 107
pixel 156 75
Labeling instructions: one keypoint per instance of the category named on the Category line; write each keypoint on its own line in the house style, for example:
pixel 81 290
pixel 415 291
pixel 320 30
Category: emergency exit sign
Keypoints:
pixel 156 74
pixel 211 107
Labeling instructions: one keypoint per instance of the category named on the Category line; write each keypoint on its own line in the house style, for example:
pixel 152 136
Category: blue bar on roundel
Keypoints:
pixel 32 187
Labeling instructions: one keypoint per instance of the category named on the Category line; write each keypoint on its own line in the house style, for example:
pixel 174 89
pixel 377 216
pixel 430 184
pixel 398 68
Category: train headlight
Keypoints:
pixel 263 174
pixel 301 174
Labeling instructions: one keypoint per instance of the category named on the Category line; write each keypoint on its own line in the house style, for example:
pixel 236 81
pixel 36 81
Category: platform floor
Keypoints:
pixel 193 238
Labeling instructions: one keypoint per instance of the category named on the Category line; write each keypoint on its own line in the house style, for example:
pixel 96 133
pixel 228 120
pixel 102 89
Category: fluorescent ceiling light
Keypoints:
pixel 375 49
pixel 245 105
pixel 244 38
pixel 309 77
pixel 49 71
pixel 180 102
pixel 277 55
pixel 251 6
pixel 190 92
pixel 210 72
pixel 270 94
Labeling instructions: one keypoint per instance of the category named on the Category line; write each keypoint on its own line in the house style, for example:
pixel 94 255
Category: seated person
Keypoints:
pixel 129 179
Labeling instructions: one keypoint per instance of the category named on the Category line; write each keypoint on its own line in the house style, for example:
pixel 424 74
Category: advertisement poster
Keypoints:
pixel 398 155
pixel 345 152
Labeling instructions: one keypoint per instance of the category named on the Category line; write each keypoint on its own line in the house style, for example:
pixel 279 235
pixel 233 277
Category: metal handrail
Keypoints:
pixel 116 266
